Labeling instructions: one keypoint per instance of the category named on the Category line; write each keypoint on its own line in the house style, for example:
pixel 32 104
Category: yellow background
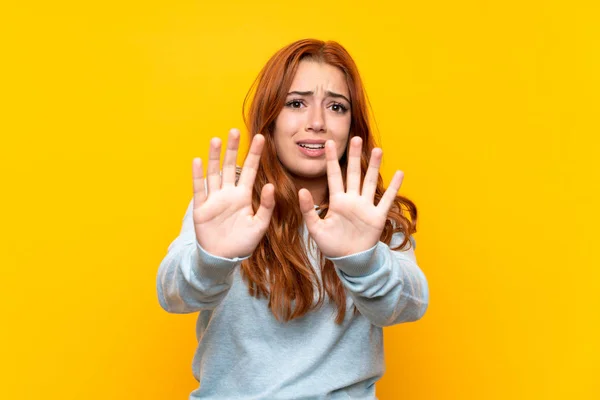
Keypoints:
pixel 489 107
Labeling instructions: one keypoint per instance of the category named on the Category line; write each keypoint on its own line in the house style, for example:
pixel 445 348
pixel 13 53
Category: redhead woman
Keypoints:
pixel 296 261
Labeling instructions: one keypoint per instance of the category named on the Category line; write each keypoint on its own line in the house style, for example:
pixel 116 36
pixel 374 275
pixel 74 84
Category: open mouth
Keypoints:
pixel 312 146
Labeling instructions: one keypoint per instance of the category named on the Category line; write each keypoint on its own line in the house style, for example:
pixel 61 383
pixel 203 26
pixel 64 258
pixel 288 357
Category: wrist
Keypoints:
pixel 222 256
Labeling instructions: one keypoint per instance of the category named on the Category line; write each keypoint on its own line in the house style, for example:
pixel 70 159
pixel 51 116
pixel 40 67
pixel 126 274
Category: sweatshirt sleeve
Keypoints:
pixel 190 279
pixel 387 286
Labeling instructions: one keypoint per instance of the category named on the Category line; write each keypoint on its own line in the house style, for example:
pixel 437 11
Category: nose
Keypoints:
pixel 316 120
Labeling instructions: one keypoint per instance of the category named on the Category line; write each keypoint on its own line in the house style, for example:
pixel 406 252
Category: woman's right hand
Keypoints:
pixel 224 221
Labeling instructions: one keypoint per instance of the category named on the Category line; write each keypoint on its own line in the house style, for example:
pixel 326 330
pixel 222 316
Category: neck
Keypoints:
pixel 316 186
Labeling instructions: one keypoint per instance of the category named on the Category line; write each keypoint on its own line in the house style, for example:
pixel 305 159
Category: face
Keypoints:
pixel 317 109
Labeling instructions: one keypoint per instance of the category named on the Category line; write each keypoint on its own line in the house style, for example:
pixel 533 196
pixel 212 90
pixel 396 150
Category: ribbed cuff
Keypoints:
pixel 360 264
pixel 211 261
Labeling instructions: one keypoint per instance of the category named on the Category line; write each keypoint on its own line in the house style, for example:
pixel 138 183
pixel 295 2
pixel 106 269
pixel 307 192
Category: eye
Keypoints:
pixel 339 108
pixel 294 104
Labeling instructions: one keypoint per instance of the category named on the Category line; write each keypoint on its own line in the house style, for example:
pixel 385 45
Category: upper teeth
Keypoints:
pixel 313 145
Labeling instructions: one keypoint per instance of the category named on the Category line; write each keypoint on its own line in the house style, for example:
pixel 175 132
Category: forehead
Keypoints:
pixel 318 77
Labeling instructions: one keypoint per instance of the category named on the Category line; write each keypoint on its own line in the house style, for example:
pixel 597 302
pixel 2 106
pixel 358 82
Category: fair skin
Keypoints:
pixel 225 223
pixel 317 109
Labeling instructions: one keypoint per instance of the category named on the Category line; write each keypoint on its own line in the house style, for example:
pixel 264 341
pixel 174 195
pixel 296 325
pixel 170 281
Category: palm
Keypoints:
pixel 353 222
pixel 224 220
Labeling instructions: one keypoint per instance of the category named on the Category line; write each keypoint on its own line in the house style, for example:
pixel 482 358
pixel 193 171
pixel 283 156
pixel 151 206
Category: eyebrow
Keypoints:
pixel 327 93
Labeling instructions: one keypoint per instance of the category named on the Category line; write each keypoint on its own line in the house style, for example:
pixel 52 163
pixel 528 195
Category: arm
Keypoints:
pixel 189 278
pixel 219 229
pixel 387 286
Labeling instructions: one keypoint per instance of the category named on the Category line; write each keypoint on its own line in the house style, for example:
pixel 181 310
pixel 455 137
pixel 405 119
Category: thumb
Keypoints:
pixel 307 207
pixel 267 204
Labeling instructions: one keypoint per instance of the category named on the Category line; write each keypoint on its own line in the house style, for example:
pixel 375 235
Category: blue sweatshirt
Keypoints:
pixel 245 353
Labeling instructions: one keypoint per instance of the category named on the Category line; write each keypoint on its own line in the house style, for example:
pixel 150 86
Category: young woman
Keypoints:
pixel 297 260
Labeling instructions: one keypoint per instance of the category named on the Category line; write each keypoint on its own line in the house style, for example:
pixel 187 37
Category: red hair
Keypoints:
pixel 279 268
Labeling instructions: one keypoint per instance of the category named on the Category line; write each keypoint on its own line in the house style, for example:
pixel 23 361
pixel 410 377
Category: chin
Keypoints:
pixel 308 172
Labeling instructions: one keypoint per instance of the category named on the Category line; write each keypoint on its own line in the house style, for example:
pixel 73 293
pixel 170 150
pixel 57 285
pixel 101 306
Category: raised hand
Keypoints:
pixel 353 222
pixel 224 221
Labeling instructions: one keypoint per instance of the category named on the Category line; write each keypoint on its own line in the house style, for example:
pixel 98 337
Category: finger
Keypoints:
pixel 334 173
pixel 252 161
pixel 390 194
pixel 229 162
pixel 267 205
pixel 353 172
pixel 198 179
pixel 213 173
pixel 307 207
pixel 372 175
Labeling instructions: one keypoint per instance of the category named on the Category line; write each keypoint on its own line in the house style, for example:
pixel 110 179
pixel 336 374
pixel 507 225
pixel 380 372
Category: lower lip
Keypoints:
pixel 312 152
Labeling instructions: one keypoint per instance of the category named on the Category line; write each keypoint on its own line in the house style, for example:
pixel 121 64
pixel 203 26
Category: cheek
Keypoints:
pixel 280 129
pixel 285 129
pixel 341 150
pixel 287 123
pixel 342 134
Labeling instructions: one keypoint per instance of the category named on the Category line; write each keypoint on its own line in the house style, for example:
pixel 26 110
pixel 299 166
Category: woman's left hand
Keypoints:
pixel 353 223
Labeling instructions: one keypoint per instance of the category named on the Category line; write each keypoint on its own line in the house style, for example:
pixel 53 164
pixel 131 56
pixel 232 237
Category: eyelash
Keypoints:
pixel 343 108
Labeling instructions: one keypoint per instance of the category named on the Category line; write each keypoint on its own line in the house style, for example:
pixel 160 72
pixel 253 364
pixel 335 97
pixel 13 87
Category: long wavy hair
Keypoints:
pixel 279 268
